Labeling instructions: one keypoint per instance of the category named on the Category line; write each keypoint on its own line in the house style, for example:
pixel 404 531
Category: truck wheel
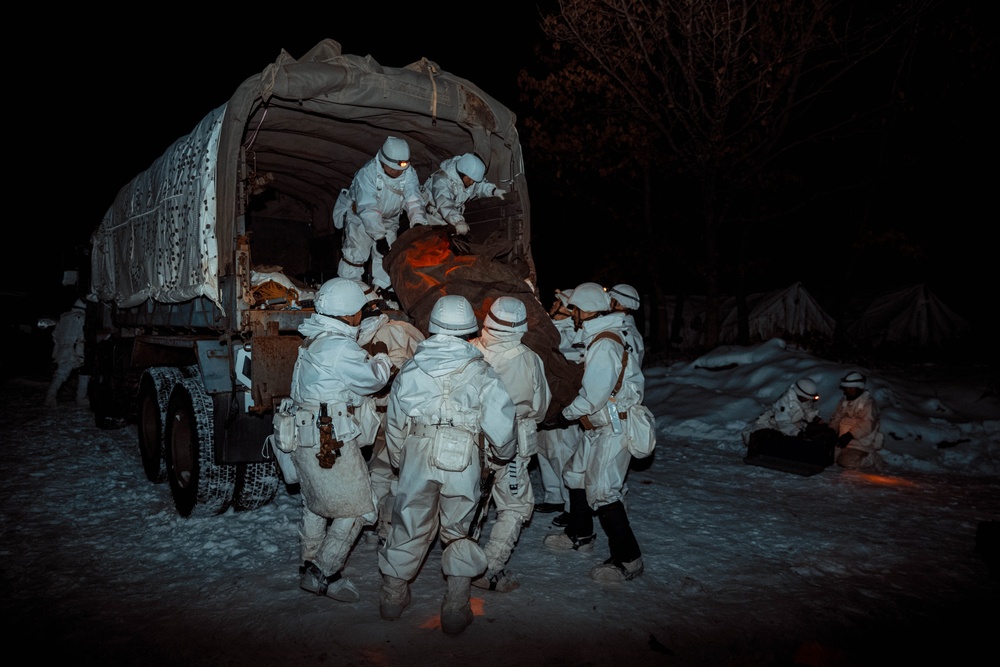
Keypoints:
pixel 256 485
pixel 199 485
pixel 154 394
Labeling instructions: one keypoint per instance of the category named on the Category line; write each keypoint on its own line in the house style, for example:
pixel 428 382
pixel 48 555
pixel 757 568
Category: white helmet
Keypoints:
pixel 853 379
pixel 507 314
pixel 470 165
pixel 564 296
pixel 395 153
pixel 453 315
pixel 626 295
pixel 590 297
pixel 806 388
pixel 371 294
pixel 340 296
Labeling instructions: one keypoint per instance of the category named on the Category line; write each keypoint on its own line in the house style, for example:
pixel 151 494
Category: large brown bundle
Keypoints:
pixel 424 265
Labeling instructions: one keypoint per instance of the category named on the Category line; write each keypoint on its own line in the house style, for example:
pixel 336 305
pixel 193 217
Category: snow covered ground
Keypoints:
pixel 743 565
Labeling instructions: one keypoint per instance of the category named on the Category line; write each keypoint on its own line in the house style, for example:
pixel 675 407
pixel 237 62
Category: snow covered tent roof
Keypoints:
pixel 281 148
pixel 786 312
pixel 911 315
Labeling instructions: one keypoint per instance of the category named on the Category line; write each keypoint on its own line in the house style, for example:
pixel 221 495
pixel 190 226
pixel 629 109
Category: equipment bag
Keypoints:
pixel 452 448
pixel 640 431
pixel 527 437
pixel 284 427
pixel 340 209
pixel 284 461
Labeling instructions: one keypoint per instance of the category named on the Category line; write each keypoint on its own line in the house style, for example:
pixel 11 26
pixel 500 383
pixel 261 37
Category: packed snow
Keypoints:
pixel 744 565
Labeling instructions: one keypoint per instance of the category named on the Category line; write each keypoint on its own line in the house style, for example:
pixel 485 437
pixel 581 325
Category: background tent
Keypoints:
pixel 912 316
pixel 790 312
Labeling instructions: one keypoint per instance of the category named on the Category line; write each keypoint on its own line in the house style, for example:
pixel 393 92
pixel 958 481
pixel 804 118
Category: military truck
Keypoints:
pixel 204 264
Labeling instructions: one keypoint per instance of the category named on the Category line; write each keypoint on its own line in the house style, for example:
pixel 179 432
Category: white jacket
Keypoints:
pixel 602 365
pixel 332 368
pixel 521 370
pixel 478 400
pixel 860 418
pixel 446 195
pixel 788 415
pixel 379 200
pixel 634 338
pixel 68 339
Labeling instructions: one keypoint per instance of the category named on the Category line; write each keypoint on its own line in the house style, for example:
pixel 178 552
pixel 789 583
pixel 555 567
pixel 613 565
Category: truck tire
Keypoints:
pixel 256 485
pixel 154 394
pixel 200 486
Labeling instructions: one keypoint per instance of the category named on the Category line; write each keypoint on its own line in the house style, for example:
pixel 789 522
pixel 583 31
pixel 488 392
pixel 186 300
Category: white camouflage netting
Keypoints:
pixel 166 246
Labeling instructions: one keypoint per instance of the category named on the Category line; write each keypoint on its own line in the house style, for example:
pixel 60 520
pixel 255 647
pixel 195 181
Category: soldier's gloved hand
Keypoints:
pixel 845 439
pixel 382 246
pixel 499 193
pixel 461 227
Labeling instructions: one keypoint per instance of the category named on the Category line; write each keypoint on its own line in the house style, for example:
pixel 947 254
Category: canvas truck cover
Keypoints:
pixel 280 149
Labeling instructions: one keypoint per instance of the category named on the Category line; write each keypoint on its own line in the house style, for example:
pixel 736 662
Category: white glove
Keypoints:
pixel 461 228
pixel 499 193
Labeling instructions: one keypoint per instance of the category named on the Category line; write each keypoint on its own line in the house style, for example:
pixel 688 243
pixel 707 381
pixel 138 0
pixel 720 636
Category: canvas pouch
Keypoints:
pixel 451 449
pixel 640 431
pixel 527 437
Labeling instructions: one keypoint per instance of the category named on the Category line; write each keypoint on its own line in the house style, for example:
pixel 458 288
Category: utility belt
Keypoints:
pixel 315 409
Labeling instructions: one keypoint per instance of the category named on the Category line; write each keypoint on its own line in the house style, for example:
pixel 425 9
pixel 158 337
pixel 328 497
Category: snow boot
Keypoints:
pixel 564 542
pixel 614 572
pixel 456 610
pixel 500 581
pixel 625 562
pixel 561 521
pixel 334 586
pixel 393 597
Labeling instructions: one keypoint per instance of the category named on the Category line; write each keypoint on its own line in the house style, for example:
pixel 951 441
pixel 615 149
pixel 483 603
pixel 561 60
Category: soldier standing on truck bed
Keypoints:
pixel 369 210
pixel 457 180
pixel 332 386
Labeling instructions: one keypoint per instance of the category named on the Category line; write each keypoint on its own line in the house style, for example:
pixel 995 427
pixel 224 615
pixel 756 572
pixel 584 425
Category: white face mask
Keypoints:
pixel 368 327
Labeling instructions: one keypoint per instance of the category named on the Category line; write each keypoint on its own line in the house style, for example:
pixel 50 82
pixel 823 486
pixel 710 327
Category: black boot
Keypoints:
pixel 579 532
pixel 625 562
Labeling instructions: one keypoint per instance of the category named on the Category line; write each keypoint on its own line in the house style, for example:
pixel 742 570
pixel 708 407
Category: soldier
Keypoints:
pixel 557 444
pixel 369 211
pixel 446 191
pixel 334 378
pixel 399 339
pixel 68 353
pixel 523 374
pixel 448 412
pixel 595 475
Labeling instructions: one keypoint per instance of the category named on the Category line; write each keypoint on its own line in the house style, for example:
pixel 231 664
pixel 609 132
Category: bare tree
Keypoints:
pixel 695 104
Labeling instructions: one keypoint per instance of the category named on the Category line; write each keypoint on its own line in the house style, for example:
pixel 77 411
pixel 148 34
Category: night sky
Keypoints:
pixel 102 103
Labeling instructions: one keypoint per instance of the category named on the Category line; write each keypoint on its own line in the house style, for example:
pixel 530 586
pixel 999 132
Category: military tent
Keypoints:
pixel 908 316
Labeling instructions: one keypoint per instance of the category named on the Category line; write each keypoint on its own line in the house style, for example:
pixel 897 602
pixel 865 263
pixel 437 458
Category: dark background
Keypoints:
pixel 96 100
